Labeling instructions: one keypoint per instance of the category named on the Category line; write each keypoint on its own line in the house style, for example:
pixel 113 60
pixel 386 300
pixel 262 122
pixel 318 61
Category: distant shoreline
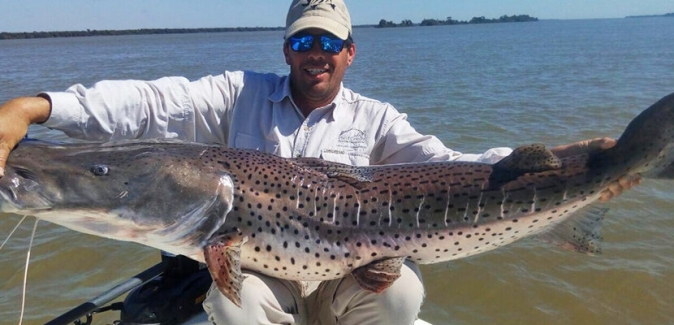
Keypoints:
pixel 150 31
pixel 142 31
pixel 671 14
pixel 449 21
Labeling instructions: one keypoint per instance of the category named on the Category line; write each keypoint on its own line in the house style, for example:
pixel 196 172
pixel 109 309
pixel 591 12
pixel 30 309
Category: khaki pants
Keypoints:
pixel 267 300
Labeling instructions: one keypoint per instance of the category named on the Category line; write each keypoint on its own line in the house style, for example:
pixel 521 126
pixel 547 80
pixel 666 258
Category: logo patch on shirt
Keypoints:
pixel 352 139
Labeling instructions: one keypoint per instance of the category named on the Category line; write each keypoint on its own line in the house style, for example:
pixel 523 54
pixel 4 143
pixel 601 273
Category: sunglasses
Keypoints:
pixel 329 43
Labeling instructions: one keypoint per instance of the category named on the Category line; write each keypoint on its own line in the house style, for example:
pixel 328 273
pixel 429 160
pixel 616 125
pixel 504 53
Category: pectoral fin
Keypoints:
pixel 223 258
pixel 379 275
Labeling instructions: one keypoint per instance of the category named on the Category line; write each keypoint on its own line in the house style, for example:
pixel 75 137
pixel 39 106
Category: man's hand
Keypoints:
pixel 616 188
pixel 594 145
pixel 15 117
pixel 583 147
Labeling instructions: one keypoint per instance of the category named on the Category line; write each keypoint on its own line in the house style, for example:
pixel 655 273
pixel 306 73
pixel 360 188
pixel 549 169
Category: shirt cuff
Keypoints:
pixel 493 155
pixel 64 109
pixel 490 156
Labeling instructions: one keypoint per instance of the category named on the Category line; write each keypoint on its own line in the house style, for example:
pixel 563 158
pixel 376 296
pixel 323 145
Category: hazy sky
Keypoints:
pixel 52 15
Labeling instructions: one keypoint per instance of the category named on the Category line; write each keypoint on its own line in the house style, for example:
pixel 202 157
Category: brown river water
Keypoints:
pixel 475 87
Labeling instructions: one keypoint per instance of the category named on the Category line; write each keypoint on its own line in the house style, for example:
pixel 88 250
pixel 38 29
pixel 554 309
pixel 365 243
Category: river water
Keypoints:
pixel 475 87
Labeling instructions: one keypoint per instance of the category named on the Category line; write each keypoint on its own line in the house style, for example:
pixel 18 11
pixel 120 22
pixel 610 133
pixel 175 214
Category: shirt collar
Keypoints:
pixel 281 92
pixel 339 106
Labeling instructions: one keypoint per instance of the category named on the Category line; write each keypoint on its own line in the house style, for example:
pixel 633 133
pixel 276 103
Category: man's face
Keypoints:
pixel 316 75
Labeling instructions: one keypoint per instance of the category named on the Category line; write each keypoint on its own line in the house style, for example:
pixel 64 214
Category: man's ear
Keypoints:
pixel 286 52
pixel 351 53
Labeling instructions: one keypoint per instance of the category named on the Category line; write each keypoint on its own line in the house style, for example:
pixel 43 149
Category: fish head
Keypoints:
pixel 43 176
pixel 130 191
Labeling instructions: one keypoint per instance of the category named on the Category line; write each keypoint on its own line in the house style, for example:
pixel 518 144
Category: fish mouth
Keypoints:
pixel 8 202
pixel 179 238
pixel 21 194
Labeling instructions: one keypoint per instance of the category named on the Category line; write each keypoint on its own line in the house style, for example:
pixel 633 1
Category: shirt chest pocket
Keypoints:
pixel 345 157
pixel 246 141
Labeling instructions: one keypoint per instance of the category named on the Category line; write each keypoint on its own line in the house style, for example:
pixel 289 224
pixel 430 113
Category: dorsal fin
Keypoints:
pixel 531 158
pixel 352 175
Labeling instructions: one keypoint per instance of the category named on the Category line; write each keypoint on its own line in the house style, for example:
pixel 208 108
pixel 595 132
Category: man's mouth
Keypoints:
pixel 315 72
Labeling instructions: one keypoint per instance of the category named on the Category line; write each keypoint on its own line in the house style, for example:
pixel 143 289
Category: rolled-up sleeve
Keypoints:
pixel 490 156
pixel 401 143
pixel 123 109
pixel 170 107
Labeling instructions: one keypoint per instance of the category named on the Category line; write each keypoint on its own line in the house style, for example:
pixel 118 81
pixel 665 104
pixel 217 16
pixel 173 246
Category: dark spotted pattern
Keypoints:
pixel 308 224
pixel 308 219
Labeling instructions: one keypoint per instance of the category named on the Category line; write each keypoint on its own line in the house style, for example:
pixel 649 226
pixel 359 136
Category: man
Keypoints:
pixel 307 113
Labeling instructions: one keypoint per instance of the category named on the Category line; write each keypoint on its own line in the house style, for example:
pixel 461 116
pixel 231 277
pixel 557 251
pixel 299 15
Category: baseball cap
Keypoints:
pixel 329 15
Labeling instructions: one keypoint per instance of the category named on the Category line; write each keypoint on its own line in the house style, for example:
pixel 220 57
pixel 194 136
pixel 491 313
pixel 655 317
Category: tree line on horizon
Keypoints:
pixel 148 31
pixel 382 23
pixel 143 31
pixel 671 14
pixel 450 21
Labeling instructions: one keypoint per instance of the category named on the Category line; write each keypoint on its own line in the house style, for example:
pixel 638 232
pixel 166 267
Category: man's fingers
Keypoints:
pixel 4 153
pixel 583 147
pixel 7 144
pixel 603 143
pixel 618 187
pixel 614 189
pixel 605 196
pixel 629 181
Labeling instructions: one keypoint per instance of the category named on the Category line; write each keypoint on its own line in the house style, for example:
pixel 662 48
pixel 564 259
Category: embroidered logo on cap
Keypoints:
pixel 315 3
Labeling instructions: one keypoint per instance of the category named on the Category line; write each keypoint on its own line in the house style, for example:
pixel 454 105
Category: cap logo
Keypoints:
pixel 315 3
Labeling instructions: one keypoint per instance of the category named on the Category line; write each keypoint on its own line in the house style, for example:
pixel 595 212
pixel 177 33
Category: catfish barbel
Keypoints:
pixel 309 219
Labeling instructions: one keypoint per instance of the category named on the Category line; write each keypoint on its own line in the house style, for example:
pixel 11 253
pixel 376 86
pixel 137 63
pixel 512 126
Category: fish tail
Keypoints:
pixel 646 147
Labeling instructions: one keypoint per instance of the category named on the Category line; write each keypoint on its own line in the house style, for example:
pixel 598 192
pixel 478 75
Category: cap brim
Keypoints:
pixel 327 25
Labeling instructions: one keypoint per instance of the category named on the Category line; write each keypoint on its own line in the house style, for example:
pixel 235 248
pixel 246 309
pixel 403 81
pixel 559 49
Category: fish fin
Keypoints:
pixel 531 158
pixel 580 233
pixel 379 275
pixel 223 258
pixel 351 175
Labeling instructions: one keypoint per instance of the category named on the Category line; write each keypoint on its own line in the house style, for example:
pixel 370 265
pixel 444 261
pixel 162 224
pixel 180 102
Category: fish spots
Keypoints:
pixel 323 216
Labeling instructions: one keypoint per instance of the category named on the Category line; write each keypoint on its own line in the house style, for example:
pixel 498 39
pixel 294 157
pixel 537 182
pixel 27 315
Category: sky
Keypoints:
pixel 62 15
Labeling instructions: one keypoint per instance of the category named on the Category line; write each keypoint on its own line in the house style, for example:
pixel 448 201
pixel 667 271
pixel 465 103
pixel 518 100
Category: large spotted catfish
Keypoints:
pixel 308 219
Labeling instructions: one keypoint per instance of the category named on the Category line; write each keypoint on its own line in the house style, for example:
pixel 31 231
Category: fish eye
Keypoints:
pixel 100 170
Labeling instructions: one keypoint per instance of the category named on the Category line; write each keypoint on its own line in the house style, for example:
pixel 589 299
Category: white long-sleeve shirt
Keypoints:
pixel 248 110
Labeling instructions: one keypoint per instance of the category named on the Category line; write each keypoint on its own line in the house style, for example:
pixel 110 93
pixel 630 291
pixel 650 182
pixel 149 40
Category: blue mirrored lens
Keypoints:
pixel 303 43
pixel 334 45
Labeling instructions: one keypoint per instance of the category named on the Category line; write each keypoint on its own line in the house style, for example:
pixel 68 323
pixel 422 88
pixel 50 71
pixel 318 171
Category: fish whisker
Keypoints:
pixel 25 272
pixel 12 232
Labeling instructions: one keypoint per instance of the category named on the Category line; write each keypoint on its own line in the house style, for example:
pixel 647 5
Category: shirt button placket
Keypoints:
pixel 301 139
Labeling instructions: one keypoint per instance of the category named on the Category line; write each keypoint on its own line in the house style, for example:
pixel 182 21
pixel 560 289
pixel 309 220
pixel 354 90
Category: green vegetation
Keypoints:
pixel 88 32
pixel 450 21
pixel 382 23
pixel 147 31
pixel 671 14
